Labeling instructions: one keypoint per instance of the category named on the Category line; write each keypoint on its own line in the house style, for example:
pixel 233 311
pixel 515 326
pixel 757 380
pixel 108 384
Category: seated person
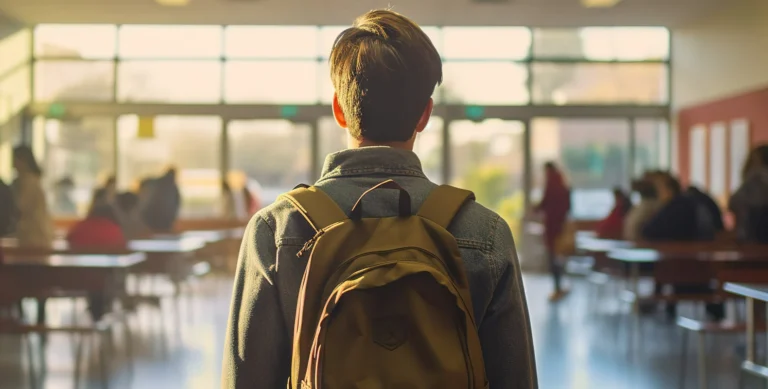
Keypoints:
pixel 749 203
pixel 127 207
pixel 640 214
pixel 611 227
pixel 99 230
pixel 678 218
pixel 708 208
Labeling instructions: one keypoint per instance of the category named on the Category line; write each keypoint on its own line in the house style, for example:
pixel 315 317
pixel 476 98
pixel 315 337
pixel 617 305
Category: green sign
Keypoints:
pixel 474 112
pixel 289 111
pixel 56 110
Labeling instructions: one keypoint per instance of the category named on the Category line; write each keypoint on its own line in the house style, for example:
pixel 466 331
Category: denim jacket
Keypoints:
pixel 259 337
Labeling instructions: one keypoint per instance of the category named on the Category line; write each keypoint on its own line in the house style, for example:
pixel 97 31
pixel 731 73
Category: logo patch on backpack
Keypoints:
pixel 390 332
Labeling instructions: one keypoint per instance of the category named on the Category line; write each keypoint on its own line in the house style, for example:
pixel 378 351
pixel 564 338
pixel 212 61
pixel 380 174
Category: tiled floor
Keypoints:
pixel 580 344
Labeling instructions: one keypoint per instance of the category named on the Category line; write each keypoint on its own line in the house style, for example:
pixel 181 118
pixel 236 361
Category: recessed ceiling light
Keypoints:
pixel 599 3
pixel 172 3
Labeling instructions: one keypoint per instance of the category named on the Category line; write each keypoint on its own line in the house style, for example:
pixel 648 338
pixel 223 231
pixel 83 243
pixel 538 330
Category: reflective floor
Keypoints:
pixel 581 343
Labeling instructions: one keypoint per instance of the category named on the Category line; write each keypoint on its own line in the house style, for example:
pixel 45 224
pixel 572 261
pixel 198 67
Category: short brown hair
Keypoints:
pixel 384 69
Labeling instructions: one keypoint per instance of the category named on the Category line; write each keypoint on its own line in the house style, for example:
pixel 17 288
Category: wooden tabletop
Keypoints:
pixel 121 261
pixel 690 251
pixel 755 291
pixel 179 245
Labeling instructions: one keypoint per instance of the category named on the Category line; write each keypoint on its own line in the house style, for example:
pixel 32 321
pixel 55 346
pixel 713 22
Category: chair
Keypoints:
pixel 736 273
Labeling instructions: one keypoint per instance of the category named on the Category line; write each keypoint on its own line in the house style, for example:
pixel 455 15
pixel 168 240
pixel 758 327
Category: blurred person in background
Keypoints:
pixel 749 203
pixel 252 201
pixel 127 207
pixel 708 208
pixel 163 202
pixel 678 218
pixel 110 188
pixel 228 204
pixel 100 230
pixel 612 226
pixel 555 206
pixel 34 227
pixel 63 204
pixel 645 210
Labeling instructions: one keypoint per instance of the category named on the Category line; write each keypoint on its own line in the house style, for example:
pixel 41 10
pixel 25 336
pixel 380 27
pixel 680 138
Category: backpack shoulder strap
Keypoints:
pixel 316 206
pixel 443 203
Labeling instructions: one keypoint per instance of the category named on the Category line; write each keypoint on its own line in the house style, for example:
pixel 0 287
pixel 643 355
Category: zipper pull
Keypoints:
pixel 308 246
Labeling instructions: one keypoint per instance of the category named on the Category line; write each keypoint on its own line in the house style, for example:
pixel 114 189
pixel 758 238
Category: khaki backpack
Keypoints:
pixel 384 303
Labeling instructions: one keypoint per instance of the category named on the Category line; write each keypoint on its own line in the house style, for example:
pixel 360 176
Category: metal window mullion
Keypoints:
pixel 632 148
pixel 527 162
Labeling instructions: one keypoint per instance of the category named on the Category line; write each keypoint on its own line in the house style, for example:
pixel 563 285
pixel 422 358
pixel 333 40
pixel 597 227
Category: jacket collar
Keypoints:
pixel 372 160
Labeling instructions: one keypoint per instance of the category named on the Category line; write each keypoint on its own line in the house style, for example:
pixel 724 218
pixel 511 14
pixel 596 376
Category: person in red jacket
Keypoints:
pixel 612 227
pixel 100 229
pixel 555 205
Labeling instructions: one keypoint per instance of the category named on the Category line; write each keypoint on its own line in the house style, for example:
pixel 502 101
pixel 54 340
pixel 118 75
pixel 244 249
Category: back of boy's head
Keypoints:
pixel 384 70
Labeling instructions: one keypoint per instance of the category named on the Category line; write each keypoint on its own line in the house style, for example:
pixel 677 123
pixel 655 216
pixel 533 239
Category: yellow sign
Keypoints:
pixel 146 127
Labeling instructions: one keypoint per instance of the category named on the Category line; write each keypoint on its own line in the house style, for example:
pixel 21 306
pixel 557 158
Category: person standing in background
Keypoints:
pixel 34 227
pixel 750 202
pixel 555 205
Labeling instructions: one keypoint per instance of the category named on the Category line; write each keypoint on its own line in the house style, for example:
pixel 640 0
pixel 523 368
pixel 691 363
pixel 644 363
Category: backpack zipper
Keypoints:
pixel 310 243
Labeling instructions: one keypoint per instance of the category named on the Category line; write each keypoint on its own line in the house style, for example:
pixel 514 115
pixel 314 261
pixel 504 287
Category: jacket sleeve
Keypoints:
pixel 505 332
pixel 256 344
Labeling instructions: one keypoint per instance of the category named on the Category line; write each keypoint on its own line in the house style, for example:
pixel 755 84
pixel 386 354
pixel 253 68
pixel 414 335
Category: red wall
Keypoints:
pixel 752 106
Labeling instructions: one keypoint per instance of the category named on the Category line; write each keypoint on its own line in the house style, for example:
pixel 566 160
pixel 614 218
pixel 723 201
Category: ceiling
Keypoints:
pixel 426 12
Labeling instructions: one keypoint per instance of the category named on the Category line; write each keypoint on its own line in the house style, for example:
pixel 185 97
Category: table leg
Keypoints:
pixel 750 330
pixel 635 280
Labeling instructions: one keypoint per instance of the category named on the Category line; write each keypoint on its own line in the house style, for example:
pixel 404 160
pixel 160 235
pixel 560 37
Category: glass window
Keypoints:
pixel 486 42
pixel 272 42
pixel 488 159
pixel 599 83
pixel 429 144
pixel 328 35
pixel 491 83
pixel 170 41
pixel 14 51
pixel 92 41
pixel 74 80
pixel 271 82
pixel 81 150
pixel 170 81
pixel 274 155
pixel 326 85
pixel 603 43
pixel 651 145
pixel 14 93
pixel 191 144
pixel 593 154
